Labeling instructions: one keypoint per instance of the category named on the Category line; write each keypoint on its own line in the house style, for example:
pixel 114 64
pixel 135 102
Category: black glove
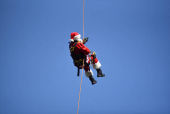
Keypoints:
pixel 85 40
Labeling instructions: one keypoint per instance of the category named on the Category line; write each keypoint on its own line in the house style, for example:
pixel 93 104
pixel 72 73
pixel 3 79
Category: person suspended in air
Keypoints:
pixel 78 52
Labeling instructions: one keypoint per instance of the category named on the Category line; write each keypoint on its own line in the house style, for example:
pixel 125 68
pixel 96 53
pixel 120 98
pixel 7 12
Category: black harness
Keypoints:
pixel 78 58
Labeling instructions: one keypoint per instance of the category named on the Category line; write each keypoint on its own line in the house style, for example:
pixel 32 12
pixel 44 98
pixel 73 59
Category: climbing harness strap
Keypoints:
pixel 78 71
pixel 77 58
pixel 72 48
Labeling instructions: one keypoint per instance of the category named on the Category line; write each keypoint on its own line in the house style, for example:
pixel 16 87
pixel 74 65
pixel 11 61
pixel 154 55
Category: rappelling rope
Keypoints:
pixel 83 62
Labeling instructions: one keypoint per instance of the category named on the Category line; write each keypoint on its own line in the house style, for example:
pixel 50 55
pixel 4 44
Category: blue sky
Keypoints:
pixel 132 42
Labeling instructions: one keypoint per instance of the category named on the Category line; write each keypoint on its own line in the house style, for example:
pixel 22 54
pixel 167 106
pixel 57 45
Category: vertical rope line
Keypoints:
pixel 83 18
pixel 83 61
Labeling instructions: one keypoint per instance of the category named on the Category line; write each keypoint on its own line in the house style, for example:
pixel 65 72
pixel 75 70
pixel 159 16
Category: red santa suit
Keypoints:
pixel 79 52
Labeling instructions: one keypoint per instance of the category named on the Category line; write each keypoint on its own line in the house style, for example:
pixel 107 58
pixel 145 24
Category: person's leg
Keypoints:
pixel 97 65
pixel 89 74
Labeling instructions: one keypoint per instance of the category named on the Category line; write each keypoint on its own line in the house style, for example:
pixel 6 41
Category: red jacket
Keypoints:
pixel 80 47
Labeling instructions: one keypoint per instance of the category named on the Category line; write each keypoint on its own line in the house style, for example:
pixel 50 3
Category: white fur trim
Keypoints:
pixel 97 65
pixel 77 37
pixel 71 40
pixel 89 73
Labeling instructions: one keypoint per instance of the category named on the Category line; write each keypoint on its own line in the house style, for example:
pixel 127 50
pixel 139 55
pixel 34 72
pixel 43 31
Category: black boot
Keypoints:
pixel 93 81
pixel 99 73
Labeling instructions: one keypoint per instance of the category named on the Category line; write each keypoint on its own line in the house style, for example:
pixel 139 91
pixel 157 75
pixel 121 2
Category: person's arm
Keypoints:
pixel 85 40
pixel 83 48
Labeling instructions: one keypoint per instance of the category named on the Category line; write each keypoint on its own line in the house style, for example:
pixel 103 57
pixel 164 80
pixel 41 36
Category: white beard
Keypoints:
pixel 80 40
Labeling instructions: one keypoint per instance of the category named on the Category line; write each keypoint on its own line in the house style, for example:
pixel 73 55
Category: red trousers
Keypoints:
pixel 89 58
